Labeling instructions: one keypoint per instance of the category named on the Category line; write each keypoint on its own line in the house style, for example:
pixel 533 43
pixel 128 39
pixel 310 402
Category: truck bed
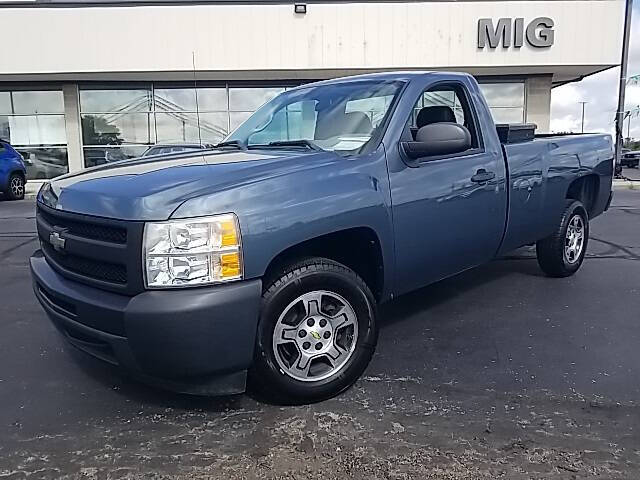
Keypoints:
pixel 543 170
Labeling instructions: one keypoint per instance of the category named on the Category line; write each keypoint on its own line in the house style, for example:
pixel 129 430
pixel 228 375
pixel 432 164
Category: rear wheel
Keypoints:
pixel 316 335
pixel 562 253
pixel 15 190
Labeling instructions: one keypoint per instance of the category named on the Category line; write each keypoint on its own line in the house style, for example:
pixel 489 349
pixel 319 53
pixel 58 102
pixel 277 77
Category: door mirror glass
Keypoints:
pixel 438 139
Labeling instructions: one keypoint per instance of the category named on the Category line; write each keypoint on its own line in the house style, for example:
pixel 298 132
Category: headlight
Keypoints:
pixel 192 252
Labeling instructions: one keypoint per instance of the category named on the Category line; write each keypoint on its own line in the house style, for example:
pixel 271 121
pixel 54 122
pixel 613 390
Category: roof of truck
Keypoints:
pixel 405 75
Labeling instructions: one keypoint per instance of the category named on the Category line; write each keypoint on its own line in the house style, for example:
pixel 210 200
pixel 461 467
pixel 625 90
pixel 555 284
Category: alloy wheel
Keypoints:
pixel 315 336
pixel 574 239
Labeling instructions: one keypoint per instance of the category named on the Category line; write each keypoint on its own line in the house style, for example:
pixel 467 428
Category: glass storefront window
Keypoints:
pixel 33 122
pixel 117 129
pixel 183 127
pixel 175 99
pixel 117 124
pixel 37 130
pixel 507 115
pixel 37 102
pixel 184 100
pixel 250 99
pixel 123 118
pixel 505 100
pixel 213 99
pixel 116 101
pixel 44 162
pixel 5 104
pixel 237 118
pixel 5 131
pixel 126 118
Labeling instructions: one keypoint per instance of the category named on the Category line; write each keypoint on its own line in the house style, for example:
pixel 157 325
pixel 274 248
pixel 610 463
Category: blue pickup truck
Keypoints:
pixel 260 263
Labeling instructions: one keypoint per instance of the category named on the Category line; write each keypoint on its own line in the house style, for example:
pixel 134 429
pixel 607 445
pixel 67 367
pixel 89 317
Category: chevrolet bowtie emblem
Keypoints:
pixel 56 241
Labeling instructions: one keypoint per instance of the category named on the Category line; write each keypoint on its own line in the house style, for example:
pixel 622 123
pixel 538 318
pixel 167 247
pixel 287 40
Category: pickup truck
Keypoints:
pixel 260 263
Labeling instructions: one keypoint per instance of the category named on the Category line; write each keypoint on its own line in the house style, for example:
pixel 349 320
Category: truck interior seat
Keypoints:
pixel 433 114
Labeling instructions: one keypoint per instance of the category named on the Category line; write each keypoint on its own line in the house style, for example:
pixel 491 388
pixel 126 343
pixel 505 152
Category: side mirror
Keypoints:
pixel 442 138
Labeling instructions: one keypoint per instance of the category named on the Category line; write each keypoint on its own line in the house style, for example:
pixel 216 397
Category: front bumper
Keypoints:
pixel 196 340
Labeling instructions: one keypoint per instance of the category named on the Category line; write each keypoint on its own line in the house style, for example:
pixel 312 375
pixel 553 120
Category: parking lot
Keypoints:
pixel 498 372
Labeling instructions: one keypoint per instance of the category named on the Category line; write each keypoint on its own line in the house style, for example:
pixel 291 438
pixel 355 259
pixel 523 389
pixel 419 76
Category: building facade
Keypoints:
pixel 94 81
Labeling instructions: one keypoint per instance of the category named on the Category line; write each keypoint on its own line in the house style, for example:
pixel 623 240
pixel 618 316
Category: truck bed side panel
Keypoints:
pixel 540 174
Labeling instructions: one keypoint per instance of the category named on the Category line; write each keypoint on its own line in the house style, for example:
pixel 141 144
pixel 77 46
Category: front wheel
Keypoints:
pixel 316 335
pixel 561 253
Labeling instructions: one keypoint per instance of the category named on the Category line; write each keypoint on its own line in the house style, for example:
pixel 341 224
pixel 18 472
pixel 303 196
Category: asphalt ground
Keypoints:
pixel 498 372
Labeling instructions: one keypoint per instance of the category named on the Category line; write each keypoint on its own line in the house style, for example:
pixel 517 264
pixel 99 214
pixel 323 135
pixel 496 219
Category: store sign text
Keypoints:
pixel 511 32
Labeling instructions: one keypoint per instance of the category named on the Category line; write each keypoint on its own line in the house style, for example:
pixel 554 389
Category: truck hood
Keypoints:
pixel 152 189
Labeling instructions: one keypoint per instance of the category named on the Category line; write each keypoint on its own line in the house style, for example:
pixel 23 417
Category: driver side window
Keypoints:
pixel 444 103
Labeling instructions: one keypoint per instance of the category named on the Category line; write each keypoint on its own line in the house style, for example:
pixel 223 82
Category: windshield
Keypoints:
pixel 339 117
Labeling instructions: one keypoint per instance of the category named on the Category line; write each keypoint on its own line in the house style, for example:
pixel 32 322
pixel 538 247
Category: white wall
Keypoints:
pixel 337 36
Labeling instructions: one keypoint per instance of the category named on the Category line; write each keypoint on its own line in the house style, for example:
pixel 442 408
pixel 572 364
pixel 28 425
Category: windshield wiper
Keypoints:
pixel 288 143
pixel 231 143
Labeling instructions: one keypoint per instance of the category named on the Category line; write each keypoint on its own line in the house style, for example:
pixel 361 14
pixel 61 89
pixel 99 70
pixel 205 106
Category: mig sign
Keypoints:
pixel 511 32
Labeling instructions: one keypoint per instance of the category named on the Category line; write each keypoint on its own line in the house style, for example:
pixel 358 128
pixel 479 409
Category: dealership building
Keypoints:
pixel 94 81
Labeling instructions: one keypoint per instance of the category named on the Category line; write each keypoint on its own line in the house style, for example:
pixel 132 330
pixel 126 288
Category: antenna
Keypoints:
pixel 195 89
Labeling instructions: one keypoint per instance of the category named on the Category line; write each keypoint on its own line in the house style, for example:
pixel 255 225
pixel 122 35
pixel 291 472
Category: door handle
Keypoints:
pixel 483 176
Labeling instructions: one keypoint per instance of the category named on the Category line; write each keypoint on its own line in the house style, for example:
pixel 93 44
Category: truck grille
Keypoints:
pixel 108 272
pixel 100 252
pixel 87 230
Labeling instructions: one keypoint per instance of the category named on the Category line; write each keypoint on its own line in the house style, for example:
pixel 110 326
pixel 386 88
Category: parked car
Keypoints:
pixel 266 258
pixel 12 172
pixel 630 159
pixel 161 149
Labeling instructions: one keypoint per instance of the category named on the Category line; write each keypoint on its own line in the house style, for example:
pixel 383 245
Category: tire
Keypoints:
pixel 556 256
pixel 279 373
pixel 15 188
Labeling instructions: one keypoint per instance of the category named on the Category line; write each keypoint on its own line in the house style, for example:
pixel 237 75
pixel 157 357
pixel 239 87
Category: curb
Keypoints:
pixel 626 184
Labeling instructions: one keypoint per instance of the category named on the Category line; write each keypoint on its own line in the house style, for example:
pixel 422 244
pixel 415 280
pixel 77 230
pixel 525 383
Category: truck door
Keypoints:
pixel 449 211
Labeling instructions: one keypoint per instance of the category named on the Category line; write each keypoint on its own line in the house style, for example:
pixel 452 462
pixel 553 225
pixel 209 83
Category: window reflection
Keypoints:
pixel 111 153
pixel 44 162
pixel 175 99
pixel 122 118
pixel 183 127
pixel 117 101
pixel 116 129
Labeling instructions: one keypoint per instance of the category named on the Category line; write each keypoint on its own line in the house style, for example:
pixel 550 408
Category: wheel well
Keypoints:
pixel 19 172
pixel 584 189
pixel 357 248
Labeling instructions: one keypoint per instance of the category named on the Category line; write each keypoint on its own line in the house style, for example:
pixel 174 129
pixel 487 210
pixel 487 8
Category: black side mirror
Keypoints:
pixel 442 138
